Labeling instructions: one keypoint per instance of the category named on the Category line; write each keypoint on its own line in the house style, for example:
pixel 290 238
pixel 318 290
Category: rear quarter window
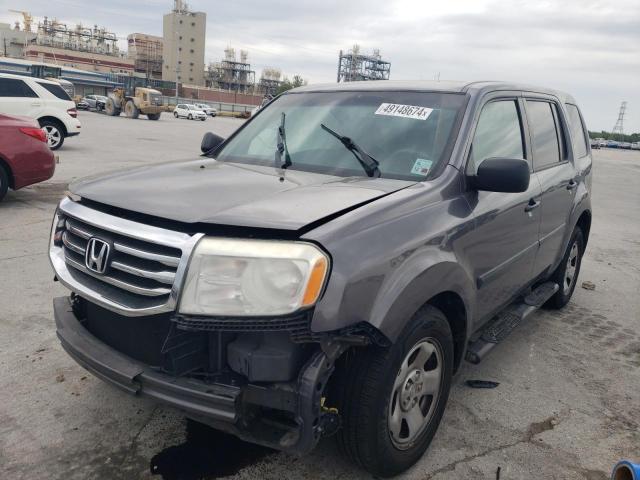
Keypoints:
pixel 578 134
pixel 56 90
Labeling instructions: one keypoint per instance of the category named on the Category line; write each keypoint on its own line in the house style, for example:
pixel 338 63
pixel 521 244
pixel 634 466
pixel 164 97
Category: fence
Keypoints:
pixel 236 108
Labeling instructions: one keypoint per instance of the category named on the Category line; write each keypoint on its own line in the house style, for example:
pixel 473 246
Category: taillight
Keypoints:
pixel 36 133
pixel 73 112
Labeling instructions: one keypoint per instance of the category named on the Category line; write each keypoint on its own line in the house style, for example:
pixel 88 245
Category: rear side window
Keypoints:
pixel 578 135
pixel 498 134
pixel 57 90
pixel 13 87
pixel 544 134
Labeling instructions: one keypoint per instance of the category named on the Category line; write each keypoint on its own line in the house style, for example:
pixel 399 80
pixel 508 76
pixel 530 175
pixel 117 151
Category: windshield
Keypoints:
pixel 407 133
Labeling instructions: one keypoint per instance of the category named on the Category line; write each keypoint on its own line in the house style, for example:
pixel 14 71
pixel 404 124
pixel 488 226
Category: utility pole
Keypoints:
pixel 175 31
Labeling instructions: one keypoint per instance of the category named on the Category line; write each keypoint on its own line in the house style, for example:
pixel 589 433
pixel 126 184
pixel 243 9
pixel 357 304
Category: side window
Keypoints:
pixel 56 90
pixel 498 134
pixel 13 87
pixel 578 135
pixel 544 134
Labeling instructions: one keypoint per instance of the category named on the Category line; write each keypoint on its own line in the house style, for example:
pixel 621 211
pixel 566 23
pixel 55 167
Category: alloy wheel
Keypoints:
pixel 415 393
pixel 53 135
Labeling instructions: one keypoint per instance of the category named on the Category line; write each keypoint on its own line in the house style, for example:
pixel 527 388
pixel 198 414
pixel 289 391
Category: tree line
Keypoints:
pixel 618 137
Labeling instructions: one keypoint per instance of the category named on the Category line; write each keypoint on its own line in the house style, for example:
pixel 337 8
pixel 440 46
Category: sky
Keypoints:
pixel 589 48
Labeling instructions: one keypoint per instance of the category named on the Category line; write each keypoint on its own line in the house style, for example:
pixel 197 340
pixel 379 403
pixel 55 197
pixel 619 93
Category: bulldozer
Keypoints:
pixel 135 101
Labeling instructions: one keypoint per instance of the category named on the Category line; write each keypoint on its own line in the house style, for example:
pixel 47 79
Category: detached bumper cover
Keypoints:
pixel 220 406
pixel 195 398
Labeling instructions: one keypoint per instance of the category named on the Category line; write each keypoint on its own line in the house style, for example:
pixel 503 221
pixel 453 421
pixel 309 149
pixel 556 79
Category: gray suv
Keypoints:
pixel 327 268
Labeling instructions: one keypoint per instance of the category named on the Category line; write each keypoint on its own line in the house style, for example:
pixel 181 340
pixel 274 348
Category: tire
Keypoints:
pixel 55 133
pixel 377 387
pixel 153 116
pixel 566 275
pixel 130 110
pixel 203 119
pixel 4 182
pixel 190 117
pixel 111 109
pixel 175 114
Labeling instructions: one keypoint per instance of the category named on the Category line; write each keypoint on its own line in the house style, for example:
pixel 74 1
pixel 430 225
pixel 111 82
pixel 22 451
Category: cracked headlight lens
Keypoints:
pixel 238 277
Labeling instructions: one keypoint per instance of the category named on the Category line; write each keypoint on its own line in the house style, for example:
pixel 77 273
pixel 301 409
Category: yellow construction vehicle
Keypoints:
pixel 136 101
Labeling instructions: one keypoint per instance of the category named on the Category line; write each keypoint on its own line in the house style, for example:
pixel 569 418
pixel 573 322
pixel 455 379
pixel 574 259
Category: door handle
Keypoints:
pixel 572 184
pixel 532 205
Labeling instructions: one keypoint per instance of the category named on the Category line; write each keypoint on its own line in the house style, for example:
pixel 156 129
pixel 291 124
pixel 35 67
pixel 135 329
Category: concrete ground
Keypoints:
pixel 567 407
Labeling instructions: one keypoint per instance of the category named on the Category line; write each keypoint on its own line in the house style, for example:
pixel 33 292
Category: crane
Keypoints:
pixel 27 19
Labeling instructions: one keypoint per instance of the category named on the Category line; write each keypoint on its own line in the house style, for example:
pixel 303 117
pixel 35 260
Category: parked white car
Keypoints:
pixel 208 109
pixel 635 146
pixel 44 100
pixel 186 110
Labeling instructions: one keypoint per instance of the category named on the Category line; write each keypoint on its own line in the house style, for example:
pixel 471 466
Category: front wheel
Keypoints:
pixel 566 275
pixel 175 114
pixel 392 399
pixel 54 133
pixel 190 117
pixel 153 116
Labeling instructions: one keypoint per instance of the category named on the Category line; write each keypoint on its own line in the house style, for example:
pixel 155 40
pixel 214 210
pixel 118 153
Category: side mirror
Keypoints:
pixel 509 175
pixel 210 141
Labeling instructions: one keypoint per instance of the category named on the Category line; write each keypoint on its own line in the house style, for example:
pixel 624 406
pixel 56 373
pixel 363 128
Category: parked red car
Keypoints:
pixel 25 158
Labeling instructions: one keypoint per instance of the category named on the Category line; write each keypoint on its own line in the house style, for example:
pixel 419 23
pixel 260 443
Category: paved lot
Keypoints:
pixel 567 407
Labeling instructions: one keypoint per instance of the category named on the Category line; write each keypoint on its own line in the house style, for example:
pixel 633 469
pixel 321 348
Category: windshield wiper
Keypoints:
pixel 369 164
pixel 281 146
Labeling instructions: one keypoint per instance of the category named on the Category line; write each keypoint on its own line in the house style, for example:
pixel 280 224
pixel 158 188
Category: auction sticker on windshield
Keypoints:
pixel 404 111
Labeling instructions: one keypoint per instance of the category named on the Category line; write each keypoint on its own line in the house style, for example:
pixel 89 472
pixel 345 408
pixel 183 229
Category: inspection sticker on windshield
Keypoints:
pixel 421 166
pixel 405 111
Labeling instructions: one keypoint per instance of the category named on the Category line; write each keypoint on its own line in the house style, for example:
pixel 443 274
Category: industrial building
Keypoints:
pixel 355 66
pixel 232 74
pixel 184 34
pixel 146 53
pixel 270 81
pixel 14 39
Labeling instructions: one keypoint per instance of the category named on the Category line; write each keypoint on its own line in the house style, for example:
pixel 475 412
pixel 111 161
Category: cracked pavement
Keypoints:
pixel 567 407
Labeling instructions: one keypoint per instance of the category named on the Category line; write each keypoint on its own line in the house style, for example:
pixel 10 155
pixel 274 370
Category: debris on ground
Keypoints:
pixel 60 378
pixel 481 384
pixel 588 285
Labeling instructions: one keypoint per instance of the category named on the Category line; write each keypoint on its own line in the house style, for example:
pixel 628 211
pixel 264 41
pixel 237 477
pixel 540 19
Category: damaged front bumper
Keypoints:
pixel 233 406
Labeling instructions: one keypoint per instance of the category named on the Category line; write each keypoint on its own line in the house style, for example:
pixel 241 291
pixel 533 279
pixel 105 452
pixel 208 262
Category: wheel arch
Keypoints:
pixel 55 120
pixel 7 168
pixel 584 222
pixel 444 285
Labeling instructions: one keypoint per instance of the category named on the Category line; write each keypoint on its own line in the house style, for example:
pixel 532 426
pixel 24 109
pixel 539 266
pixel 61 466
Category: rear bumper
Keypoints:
pixel 230 408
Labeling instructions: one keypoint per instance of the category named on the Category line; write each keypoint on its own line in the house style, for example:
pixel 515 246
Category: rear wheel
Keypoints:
pixel 4 182
pixel 111 108
pixel 190 117
pixel 130 110
pixel 203 119
pixel 175 114
pixel 566 275
pixel 54 132
pixel 393 399
pixel 153 116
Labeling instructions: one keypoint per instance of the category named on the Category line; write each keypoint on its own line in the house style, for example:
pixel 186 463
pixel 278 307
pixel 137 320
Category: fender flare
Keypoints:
pixel 424 276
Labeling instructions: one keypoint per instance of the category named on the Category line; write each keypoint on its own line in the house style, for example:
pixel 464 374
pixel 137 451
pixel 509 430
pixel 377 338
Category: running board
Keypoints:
pixel 504 323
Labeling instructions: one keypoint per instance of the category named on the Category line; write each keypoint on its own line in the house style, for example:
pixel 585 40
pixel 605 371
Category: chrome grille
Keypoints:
pixel 145 266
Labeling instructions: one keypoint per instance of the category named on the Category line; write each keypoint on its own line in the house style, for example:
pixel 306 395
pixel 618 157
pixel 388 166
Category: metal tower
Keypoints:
pixel 619 126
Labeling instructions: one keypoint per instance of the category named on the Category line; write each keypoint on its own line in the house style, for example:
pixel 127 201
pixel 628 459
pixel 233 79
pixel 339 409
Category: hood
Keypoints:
pixel 223 193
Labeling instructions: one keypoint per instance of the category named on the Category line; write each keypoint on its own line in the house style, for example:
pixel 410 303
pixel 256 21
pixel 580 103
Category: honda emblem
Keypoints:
pixel 97 255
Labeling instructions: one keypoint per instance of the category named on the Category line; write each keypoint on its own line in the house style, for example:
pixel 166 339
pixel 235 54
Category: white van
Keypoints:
pixel 44 100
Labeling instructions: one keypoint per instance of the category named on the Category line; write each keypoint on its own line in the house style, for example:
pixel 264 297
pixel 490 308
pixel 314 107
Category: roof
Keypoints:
pixel 471 87
pixel 27 77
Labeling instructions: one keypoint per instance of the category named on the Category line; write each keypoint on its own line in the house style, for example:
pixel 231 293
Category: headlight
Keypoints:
pixel 252 277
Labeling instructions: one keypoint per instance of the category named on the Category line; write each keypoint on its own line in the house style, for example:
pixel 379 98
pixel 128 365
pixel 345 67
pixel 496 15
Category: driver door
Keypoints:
pixel 504 244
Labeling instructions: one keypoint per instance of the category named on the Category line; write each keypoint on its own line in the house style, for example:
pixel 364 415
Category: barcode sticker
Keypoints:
pixel 404 111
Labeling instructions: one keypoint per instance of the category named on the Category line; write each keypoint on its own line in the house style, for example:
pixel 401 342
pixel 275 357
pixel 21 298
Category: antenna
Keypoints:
pixel 619 126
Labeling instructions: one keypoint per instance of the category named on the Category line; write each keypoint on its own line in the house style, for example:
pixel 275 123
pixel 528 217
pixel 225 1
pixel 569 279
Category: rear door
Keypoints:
pixel 503 246
pixel 18 98
pixel 556 173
